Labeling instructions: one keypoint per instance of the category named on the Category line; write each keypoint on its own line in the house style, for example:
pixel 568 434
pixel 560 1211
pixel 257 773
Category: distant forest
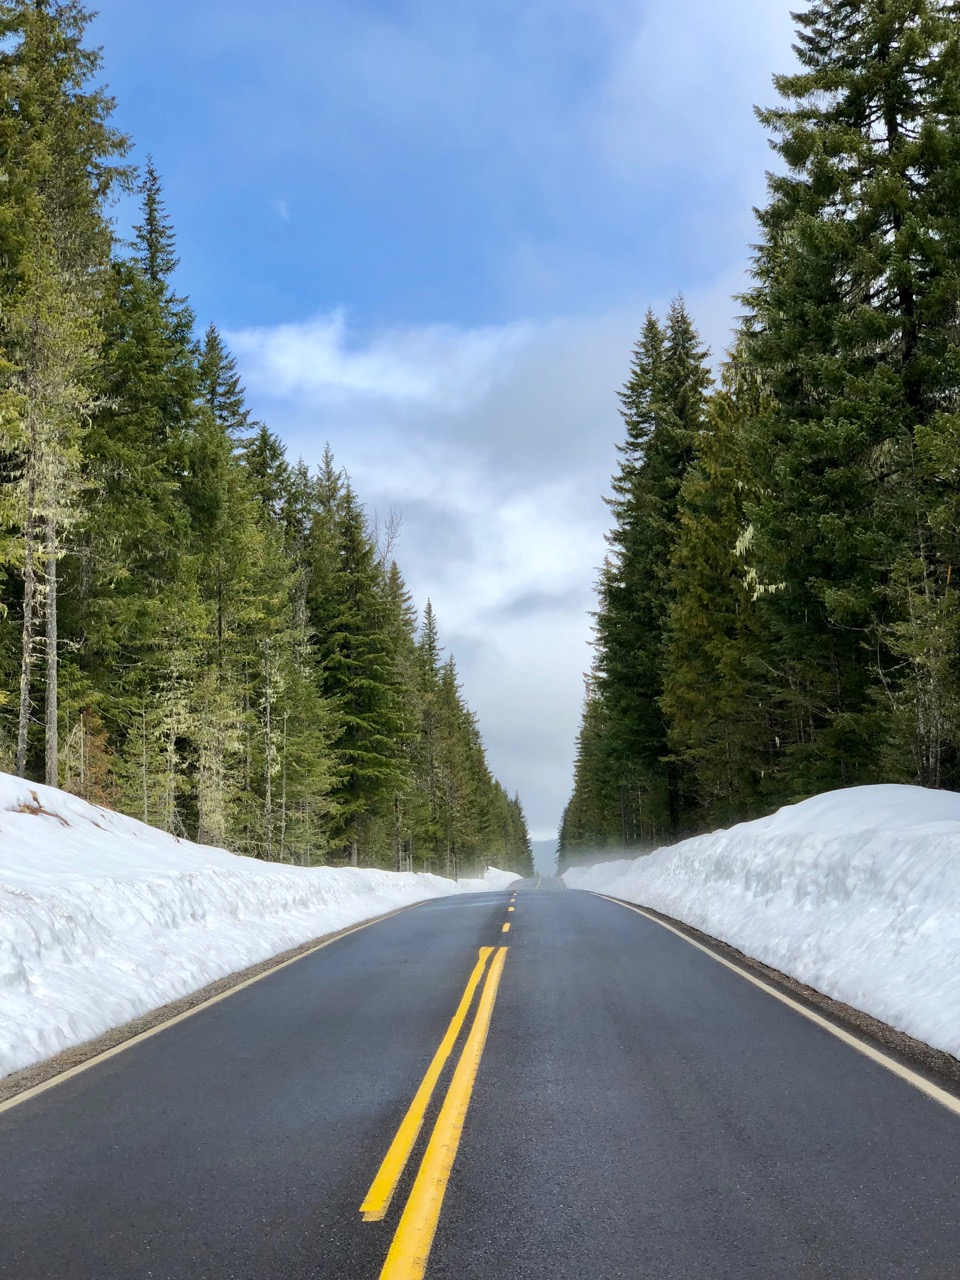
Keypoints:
pixel 778 612
pixel 194 629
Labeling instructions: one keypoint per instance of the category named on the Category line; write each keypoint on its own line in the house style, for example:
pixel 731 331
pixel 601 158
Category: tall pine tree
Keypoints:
pixel 853 327
pixel 60 163
pixel 663 406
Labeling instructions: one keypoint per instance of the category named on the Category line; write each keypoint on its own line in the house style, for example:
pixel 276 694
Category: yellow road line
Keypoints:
pixel 407 1259
pixel 506 928
pixel 511 908
pixel 898 1069
pixel 377 1202
pixel 139 1038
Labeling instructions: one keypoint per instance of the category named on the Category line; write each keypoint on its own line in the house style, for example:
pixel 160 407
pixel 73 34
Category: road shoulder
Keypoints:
pixel 935 1065
pixel 48 1072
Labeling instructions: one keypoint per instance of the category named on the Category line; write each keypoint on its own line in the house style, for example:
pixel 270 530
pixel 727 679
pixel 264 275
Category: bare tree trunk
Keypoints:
pixel 397 842
pixel 26 658
pixel 267 789
pixel 283 791
pixel 52 745
pixel 220 620
pixel 143 763
pixel 354 851
pixel 171 799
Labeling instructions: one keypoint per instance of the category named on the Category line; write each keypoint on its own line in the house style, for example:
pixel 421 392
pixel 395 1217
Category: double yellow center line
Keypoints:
pixel 407 1258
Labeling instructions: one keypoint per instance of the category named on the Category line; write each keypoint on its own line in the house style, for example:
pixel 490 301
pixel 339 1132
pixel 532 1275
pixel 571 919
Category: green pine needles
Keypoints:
pixel 778 614
pixel 193 629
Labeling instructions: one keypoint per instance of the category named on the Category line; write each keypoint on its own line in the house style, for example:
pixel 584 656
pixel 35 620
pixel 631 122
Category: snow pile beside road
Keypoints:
pixel 492 879
pixel 854 892
pixel 103 918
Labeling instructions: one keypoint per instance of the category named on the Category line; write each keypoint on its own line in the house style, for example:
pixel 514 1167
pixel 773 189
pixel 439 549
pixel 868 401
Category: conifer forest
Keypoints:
pixel 208 635
pixel 778 612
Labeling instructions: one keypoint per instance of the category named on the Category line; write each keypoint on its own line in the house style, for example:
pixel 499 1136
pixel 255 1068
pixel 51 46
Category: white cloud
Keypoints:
pixel 681 84
pixel 321 361
pixel 497 442
pixel 496 445
pixel 570 160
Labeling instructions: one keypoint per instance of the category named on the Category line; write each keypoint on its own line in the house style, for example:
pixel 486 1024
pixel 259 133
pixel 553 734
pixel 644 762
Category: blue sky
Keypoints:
pixel 430 231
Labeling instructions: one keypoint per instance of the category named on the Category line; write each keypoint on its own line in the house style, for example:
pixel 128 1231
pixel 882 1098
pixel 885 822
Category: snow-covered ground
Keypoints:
pixel 103 918
pixel 854 892
pixel 492 880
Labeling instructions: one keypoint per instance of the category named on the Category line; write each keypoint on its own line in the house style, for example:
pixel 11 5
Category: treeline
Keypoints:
pixel 778 613
pixel 193 629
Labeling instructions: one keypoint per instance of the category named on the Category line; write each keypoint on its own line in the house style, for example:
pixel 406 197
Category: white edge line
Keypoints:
pixel 97 1058
pixel 897 1068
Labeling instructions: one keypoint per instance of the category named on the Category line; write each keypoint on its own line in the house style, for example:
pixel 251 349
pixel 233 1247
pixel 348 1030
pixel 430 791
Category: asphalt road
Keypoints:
pixel 638 1111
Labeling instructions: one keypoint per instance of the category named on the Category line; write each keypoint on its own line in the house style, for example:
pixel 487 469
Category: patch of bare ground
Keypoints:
pixel 38 810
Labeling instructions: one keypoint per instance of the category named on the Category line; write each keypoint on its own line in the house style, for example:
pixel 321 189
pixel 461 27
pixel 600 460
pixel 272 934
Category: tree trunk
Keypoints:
pixel 283 791
pixel 397 842
pixel 220 620
pixel 171 798
pixel 268 746
pixel 143 763
pixel 52 746
pixel 26 658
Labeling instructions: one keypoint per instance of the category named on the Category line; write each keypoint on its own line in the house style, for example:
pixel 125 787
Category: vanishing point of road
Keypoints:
pixel 502 1086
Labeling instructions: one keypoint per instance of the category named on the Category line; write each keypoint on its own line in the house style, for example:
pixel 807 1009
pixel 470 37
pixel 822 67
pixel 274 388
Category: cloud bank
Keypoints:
pixel 479 201
pixel 495 445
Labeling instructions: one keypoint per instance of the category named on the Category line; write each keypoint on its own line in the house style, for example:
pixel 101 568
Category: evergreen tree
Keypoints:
pixel 402 625
pixel 267 468
pixel 521 850
pixel 59 165
pixel 155 251
pixel 240 661
pixel 781 582
pixel 140 584
pixel 220 388
pixel 853 330
pixel 357 652
pixel 714 682
pixel 458 767
pixel 427 747
pixel 595 817
pixel 662 405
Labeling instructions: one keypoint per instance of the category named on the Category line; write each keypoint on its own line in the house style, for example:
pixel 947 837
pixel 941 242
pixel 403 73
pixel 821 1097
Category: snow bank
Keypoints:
pixel 491 880
pixel 855 892
pixel 103 918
